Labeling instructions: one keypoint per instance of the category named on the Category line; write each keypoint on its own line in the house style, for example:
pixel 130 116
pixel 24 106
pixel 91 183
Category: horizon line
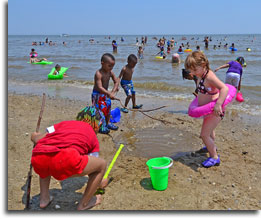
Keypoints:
pixel 134 34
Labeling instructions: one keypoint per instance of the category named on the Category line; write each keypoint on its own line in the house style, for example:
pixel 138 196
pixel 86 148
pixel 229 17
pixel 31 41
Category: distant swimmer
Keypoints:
pixel 162 53
pixel 206 42
pixel 172 42
pixel 33 56
pixel 57 70
pixel 175 58
pixel 232 47
pixel 142 40
pixel 114 46
pixel 168 49
pixel 140 52
pixel 180 49
pixel 198 48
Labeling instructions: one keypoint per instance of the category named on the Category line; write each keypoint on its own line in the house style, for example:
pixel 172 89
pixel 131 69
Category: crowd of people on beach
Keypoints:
pixel 73 147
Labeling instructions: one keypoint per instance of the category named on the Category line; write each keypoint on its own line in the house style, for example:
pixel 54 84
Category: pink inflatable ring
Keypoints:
pixel 35 54
pixel 199 111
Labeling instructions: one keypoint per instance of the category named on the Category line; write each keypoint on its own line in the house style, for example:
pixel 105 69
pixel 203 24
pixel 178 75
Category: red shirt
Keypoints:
pixel 69 134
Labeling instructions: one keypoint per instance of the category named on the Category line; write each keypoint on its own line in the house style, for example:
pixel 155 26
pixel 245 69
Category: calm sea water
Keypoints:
pixel 152 77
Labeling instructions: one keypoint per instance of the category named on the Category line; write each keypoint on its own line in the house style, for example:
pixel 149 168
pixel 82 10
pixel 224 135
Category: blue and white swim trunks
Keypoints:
pixel 128 87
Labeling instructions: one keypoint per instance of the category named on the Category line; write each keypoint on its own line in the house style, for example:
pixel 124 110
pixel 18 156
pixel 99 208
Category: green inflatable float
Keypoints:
pixel 59 76
pixel 41 63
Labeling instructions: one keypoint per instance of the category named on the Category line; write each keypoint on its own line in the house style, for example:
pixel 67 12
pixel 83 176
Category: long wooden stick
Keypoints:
pixel 140 110
pixel 143 112
pixel 29 177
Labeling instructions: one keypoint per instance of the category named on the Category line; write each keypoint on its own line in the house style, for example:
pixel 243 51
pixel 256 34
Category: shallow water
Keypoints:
pixel 158 141
pixel 152 78
pixel 157 82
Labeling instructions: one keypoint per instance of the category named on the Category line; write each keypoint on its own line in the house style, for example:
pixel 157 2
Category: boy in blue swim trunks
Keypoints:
pixel 126 82
pixel 101 97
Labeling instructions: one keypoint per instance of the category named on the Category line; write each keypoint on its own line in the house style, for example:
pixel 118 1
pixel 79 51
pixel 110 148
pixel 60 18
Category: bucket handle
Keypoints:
pixel 171 163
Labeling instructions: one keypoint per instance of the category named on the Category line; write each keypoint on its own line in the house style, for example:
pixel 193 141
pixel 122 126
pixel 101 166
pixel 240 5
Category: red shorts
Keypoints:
pixel 60 165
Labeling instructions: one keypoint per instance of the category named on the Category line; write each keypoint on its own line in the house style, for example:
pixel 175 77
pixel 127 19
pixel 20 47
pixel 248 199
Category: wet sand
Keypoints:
pixel 234 185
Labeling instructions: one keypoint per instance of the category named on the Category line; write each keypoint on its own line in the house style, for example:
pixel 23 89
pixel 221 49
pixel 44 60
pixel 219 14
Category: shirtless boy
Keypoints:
pixel 101 97
pixel 126 82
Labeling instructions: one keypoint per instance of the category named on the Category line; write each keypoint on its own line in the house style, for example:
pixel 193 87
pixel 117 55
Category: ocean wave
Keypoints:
pixel 252 88
pixel 11 58
pixel 185 97
pixel 75 67
pixel 75 59
pixel 79 82
pixel 254 110
pixel 16 66
pixel 161 86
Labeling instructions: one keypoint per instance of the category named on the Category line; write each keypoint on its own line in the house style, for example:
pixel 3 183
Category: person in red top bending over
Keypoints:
pixel 70 149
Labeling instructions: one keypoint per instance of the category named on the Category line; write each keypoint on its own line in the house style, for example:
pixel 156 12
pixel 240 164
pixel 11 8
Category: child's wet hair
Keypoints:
pixel 196 58
pixel 57 66
pixel 241 60
pixel 132 58
pixel 185 73
pixel 106 56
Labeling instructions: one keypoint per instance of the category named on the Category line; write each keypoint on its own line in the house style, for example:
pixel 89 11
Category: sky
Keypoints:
pixel 133 17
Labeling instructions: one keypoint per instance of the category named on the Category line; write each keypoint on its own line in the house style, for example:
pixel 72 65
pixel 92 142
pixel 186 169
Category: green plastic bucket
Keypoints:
pixel 159 172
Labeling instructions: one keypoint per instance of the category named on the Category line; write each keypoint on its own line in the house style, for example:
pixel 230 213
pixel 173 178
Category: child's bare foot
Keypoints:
pixel 46 203
pixel 95 200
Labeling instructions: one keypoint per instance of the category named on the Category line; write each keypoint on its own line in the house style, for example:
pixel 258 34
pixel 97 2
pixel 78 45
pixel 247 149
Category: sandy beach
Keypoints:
pixel 234 185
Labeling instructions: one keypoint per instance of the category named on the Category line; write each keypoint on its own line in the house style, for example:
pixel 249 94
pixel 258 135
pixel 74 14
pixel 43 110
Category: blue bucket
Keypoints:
pixel 115 115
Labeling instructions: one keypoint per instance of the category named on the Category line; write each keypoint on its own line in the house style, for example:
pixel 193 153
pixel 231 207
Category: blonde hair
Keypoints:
pixel 195 59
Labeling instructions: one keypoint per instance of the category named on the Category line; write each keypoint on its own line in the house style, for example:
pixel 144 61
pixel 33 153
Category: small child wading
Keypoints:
pixel 234 72
pixel 126 82
pixel 57 71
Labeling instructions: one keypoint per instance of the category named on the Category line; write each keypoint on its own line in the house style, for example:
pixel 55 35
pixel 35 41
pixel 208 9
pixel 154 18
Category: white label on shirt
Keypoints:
pixel 50 129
